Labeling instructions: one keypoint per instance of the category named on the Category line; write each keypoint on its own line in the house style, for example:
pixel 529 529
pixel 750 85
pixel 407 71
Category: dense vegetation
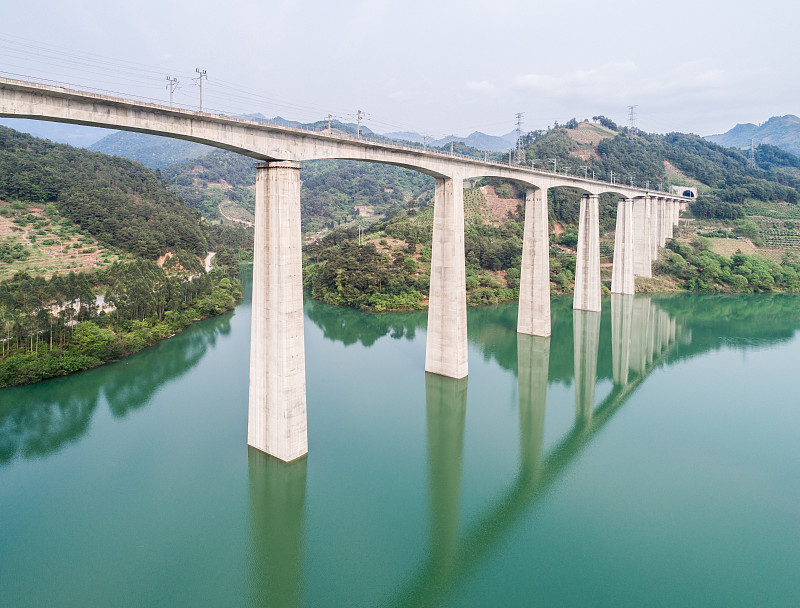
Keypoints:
pixel 116 200
pixel 51 325
pixel 330 188
pixel 218 176
pixel 57 326
pixel 392 269
pixel 699 269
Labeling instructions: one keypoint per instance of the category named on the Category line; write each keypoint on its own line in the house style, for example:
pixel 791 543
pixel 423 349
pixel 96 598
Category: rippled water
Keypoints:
pixel 646 456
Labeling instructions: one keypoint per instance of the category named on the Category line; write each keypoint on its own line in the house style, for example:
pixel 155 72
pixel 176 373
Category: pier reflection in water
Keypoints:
pixel 446 412
pixel 533 356
pixel 638 324
pixel 277 513
pixel 586 342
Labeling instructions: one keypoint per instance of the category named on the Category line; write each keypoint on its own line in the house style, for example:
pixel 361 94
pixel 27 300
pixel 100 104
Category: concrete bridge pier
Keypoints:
pixel 276 421
pixel 670 219
pixel 446 347
pixel 641 237
pixel 587 266
pixel 662 222
pixel 534 283
pixel 654 227
pixel 622 279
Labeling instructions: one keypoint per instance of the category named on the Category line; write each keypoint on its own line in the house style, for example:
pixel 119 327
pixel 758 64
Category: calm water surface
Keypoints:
pixel 647 456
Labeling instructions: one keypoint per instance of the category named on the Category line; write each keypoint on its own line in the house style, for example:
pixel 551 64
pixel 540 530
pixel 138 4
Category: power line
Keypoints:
pixel 19 57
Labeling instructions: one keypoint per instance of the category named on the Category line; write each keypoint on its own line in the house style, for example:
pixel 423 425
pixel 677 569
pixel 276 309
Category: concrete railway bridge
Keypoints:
pixel 277 398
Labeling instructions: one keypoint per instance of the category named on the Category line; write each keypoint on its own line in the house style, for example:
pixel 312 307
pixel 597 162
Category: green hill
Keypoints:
pixel 333 191
pixel 118 201
pixel 97 259
pixel 723 176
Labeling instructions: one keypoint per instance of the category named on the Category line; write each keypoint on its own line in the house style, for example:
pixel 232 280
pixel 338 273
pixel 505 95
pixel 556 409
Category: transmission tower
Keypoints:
pixel 519 153
pixel 632 119
pixel 752 157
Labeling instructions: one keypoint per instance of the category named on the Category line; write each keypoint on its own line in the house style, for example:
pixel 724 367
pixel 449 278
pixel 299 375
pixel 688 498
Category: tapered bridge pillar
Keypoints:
pixel 277 417
pixel 446 348
pixel 587 265
pixel 534 281
pixel 670 221
pixel 654 227
pixel 641 237
pixel 622 270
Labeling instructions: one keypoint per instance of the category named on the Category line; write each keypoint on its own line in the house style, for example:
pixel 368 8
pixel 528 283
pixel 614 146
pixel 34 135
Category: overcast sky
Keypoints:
pixel 428 66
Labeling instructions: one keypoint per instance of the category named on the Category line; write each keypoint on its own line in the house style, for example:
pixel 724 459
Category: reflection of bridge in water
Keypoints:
pixel 642 336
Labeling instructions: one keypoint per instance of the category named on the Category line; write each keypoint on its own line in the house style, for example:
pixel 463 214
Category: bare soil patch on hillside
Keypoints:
pixel 589 133
pixel 234 213
pixel 48 246
pixel 673 173
pixel 497 208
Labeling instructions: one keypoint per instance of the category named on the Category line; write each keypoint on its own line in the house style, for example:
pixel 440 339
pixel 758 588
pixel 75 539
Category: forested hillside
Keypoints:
pixel 387 267
pixel 331 189
pixel 722 175
pixel 103 260
pixel 116 200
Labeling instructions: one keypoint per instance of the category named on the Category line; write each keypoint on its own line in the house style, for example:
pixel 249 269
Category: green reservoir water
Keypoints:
pixel 646 456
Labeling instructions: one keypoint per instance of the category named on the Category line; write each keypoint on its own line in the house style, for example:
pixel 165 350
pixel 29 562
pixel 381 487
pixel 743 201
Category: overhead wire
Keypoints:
pixel 91 68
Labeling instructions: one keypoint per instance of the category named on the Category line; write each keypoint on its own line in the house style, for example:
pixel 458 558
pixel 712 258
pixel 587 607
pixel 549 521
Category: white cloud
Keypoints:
pixel 605 77
pixel 483 87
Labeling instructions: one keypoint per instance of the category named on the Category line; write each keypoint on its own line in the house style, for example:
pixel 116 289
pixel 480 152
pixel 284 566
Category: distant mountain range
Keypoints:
pixel 478 140
pixel 151 150
pixel 780 131
pixel 74 135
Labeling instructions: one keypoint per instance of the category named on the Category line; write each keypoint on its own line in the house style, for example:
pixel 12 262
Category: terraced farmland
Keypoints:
pixel 781 238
